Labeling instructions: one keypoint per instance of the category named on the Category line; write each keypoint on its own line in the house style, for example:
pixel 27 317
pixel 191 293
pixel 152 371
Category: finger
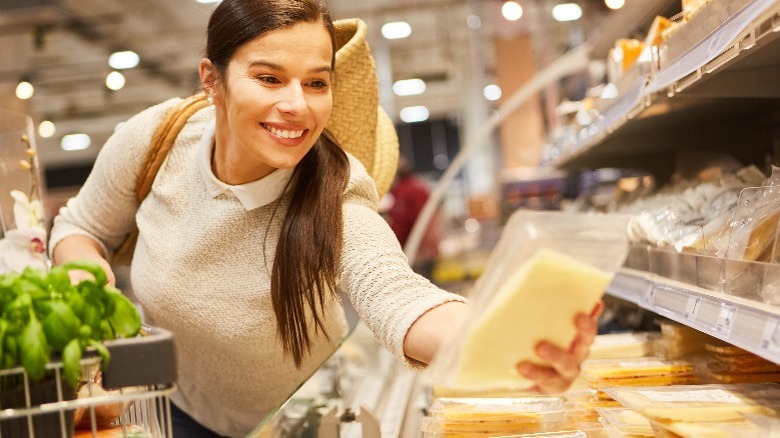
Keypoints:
pixel 564 363
pixel 547 380
pixel 587 329
pixel 598 309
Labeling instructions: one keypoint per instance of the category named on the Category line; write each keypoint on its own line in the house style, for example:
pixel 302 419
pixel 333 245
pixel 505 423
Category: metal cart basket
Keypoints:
pixel 129 398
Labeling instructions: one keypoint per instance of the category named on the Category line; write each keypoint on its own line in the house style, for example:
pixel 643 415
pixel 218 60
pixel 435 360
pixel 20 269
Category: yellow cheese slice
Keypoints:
pixel 537 302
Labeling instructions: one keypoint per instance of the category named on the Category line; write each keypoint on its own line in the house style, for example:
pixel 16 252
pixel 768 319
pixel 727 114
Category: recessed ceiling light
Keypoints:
pixel 46 129
pixel 492 92
pixel 567 12
pixel 122 60
pixel 115 81
pixel 75 142
pixel 511 10
pixel 615 4
pixel 396 30
pixel 409 87
pixel 24 90
pixel 413 114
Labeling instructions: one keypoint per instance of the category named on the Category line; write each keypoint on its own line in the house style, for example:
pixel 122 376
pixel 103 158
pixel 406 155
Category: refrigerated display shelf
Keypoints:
pixel 732 62
pixel 745 323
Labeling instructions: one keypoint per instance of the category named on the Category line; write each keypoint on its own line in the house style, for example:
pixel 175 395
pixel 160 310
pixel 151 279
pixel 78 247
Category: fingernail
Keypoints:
pixel 544 350
pixel 524 368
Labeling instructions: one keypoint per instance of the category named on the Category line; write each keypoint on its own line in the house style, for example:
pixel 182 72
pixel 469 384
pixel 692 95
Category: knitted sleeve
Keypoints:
pixel 105 207
pixel 386 293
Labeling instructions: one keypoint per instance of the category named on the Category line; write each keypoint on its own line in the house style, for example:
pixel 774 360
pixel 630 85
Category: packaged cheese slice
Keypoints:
pixel 538 302
pixel 698 403
pixel 546 268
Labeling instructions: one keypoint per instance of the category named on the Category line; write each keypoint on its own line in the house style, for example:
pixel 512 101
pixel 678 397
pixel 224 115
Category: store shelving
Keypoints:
pixel 713 87
pixel 746 323
pixel 718 66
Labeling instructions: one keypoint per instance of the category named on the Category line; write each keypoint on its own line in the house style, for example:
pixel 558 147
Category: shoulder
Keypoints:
pixel 360 187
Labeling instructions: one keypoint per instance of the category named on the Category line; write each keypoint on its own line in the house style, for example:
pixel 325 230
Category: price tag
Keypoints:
pixel 647 298
pixel 770 341
pixel 691 307
pixel 725 318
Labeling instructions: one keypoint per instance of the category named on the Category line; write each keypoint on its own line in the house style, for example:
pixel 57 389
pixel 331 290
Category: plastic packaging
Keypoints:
pixel 544 269
pixel 624 422
pixel 698 403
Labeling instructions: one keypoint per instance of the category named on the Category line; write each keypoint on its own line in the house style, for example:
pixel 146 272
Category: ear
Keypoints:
pixel 208 77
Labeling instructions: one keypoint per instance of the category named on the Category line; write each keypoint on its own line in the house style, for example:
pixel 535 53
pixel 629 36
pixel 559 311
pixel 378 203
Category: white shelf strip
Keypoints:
pixel 751 325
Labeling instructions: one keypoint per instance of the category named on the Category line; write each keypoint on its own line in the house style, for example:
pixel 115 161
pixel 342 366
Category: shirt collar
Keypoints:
pixel 253 194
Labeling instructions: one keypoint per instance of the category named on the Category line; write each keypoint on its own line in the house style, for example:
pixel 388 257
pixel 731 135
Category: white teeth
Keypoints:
pixel 284 133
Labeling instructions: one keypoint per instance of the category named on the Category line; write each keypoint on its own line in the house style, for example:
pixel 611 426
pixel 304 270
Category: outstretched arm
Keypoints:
pixel 563 366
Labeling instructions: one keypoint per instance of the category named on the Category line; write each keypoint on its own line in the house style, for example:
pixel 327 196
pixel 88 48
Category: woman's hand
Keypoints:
pixel 563 366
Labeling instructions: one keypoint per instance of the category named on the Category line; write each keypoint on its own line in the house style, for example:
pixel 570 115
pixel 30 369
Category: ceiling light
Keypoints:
pixel 492 92
pixel 115 81
pixel 409 87
pixel 512 10
pixel 567 12
pixel 615 4
pixel 75 142
pixel 396 30
pixel 46 129
pixel 122 60
pixel 24 90
pixel 473 21
pixel 413 114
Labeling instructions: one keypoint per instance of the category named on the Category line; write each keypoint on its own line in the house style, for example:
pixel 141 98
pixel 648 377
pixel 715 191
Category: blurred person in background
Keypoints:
pixel 410 192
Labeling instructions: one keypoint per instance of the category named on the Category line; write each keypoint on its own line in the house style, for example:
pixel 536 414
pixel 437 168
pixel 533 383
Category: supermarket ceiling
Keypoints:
pixel 62 48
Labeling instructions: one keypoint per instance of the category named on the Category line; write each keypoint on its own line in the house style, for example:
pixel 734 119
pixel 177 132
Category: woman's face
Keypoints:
pixel 273 102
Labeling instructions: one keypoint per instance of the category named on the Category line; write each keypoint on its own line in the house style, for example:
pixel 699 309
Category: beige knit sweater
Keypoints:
pixel 200 270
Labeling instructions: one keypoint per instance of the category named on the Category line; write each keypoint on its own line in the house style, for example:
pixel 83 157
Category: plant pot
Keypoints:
pixel 52 424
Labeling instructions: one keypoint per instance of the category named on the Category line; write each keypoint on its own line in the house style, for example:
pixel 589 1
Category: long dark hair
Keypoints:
pixel 306 263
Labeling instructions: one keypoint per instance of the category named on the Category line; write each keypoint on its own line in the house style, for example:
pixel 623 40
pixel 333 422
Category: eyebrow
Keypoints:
pixel 274 66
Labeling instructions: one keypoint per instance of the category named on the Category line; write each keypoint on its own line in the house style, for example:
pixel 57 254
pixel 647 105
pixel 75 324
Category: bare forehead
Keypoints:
pixel 312 37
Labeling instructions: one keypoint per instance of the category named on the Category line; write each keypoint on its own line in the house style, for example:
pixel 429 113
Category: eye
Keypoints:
pixel 268 79
pixel 319 84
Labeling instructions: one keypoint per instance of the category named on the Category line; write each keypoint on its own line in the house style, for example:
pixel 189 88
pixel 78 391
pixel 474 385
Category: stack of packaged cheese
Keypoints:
pixel 730 364
pixel 702 410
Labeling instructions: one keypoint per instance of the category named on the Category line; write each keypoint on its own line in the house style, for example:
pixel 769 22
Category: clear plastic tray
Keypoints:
pixel 625 422
pixel 696 403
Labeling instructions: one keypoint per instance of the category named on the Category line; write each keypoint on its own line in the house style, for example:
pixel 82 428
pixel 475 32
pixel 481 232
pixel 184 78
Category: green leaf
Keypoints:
pixel 90 266
pixel 61 325
pixel 105 355
pixel 126 320
pixel 59 279
pixel 71 366
pixel 33 348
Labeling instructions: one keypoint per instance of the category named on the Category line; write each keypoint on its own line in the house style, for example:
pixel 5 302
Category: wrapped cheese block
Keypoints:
pixel 538 302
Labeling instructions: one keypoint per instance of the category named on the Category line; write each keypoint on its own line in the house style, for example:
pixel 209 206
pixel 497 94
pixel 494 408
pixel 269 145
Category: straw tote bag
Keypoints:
pixel 162 141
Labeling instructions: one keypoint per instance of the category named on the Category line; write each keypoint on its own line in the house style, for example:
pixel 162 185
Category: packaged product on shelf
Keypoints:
pixel 624 422
pixel 655 34
pixel 623 345
pixel 689 7
pixel 699 403
pixel 621 57
pixel 546 268
pixel 681 341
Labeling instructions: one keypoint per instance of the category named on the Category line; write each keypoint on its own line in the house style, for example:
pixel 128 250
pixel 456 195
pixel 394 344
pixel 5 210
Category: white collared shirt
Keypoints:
pixel 253 194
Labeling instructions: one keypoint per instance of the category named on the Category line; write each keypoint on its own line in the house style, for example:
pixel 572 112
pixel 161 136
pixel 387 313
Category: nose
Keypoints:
pixel 293 100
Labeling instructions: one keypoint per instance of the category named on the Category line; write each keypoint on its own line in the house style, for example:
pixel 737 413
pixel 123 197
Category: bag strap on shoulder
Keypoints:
pixel 162 141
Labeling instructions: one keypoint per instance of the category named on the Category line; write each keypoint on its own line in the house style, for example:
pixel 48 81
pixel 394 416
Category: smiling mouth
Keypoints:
pixel 283 133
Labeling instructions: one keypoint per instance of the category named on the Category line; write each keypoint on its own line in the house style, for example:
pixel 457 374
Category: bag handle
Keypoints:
pixel 162 141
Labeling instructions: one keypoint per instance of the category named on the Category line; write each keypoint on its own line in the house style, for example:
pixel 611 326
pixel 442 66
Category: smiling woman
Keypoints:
pixel 264 206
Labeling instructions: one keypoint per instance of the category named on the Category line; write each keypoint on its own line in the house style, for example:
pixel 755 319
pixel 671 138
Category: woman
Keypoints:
pixel 255 218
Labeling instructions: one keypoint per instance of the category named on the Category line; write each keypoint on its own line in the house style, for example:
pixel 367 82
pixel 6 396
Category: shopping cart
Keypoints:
pixel 128 399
